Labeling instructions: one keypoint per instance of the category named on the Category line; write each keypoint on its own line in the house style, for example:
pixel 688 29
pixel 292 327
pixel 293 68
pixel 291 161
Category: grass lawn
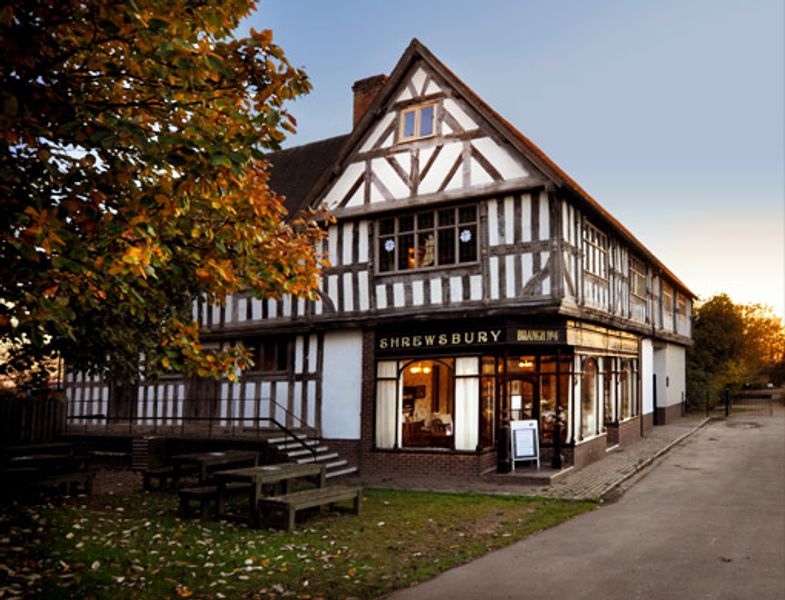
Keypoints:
pixel 134 546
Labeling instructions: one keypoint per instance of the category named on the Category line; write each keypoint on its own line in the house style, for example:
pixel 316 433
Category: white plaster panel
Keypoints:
pixel 526 217
pixel 298 354
pixel 432 88
pixel 256 309
pixel 436 291
pixel 399 298
pixel 332 244
pixel 504 162
pixel 405 94
pixel 509 220
pixel 311 403
pixel 286 305
pixel 332 289
pixel 418 81
pixel 272 309
pixel 545 217
pixel 417 293
pixel 440 168
pixel 362 246
pixel 362 284
pixel 348 243
pixel 527 267
pixel 343 184
pixel 313 353
pixel 456 289
pixel 377 132
pixel 509 272
pixel 458 113
pixel 348 293
pixel 281 395
pixel 425 155
pixel 475 284
pixel 456 181
pixel 341 384
pixel 228 306
pixel 391 180
pixel 493 223
pixel 381 297
pixel 494 268
pixel 479 176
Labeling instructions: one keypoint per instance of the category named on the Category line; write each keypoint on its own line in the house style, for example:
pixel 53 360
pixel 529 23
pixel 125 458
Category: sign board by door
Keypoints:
pixel 525 441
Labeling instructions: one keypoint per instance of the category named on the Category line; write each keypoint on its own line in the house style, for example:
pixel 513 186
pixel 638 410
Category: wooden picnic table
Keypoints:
pixel 207 463
pixel 47 448
pixel 277 476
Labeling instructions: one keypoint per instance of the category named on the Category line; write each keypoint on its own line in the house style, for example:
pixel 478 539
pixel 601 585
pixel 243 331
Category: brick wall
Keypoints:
pixel 630 432
pixel 588 452
pixel 669 414
pixel 648 422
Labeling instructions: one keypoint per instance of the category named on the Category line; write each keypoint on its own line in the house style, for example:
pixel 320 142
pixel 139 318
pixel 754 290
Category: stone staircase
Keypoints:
pixel 293 451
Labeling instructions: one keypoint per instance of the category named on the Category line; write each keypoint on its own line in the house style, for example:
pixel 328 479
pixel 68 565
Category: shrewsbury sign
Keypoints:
pixel 456 338
pixel 436 340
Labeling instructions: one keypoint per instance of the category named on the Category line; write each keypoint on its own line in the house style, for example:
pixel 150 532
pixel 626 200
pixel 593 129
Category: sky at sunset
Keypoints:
pixel 669 113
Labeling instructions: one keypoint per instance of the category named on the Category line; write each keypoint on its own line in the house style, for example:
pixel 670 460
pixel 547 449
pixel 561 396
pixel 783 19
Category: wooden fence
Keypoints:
pixel 31 420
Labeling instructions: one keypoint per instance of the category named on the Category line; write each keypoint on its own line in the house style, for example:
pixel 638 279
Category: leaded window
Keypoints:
pixel 434 238
pixel 595 251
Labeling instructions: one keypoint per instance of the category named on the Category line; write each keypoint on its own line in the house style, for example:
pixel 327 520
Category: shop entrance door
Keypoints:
pixel 523 398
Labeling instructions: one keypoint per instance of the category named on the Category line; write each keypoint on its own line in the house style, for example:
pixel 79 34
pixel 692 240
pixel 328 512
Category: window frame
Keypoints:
pixel 637 275
pixel 417 110
pixel 595 251
pixel 436 228
pixel 260 347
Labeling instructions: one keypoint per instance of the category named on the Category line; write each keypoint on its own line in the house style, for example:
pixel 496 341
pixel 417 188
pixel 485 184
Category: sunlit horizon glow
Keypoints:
pixel 669 113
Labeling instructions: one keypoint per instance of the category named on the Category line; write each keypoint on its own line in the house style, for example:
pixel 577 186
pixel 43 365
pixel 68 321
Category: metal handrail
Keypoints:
pixel 181 421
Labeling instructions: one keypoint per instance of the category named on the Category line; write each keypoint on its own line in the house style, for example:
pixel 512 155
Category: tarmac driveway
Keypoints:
pixel 706 522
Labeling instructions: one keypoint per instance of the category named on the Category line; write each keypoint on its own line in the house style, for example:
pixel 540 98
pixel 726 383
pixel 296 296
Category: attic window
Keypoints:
pixel 417 122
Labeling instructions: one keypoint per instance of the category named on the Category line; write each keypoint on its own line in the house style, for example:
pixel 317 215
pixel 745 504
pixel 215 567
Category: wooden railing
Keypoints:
pixel 31 420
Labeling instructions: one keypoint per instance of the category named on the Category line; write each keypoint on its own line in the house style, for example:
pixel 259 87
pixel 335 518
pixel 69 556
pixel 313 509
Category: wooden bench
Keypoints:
pixel 206 495
pixel 71 482
pixel 289 504
pixel 162 474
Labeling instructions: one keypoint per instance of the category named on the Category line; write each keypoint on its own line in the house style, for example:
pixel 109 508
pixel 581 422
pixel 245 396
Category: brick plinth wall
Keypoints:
pixel 588 452
pixel 611 434
pixel 629 432
pixel 427 462
pixel 648 422
pixel 669 414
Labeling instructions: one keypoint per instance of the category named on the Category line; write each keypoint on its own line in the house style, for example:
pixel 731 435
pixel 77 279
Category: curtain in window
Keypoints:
pixel 467 395
pixel 386 403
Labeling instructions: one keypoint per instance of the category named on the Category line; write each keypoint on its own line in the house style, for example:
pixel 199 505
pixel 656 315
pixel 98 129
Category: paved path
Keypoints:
pixel 593 481
pixel 708 522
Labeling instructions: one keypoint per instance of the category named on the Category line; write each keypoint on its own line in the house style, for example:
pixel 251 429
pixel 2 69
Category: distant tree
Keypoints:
pixel 732 345
pixel 764 343
pixel 133 180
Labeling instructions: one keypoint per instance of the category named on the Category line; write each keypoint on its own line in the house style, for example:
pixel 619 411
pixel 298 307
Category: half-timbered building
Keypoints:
pixel 471 283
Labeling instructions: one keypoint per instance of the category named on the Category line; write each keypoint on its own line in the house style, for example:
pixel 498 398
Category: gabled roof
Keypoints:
pixel 416 51
pixel 295 170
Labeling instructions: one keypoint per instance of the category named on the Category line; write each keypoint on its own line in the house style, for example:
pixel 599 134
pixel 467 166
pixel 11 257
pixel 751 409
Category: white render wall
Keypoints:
pixel 342 384
pixel 646 372
pixel 676 384
pixel 669 365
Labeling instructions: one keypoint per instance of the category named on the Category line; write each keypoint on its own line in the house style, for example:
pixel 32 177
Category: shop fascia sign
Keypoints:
pixel 463 338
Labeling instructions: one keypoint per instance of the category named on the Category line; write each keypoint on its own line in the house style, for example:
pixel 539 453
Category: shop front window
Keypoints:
pixel 436 403
pixel 589 398
pixel 428 404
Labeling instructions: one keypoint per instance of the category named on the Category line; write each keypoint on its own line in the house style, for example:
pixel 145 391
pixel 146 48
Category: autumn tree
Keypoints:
pixel 133 180
pixel 733 344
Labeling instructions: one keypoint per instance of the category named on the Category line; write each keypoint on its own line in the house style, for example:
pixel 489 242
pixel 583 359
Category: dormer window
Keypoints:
pixel 417 122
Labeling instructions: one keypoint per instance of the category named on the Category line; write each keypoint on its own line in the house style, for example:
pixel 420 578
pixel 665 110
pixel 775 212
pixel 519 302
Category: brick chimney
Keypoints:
pixel 365 91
